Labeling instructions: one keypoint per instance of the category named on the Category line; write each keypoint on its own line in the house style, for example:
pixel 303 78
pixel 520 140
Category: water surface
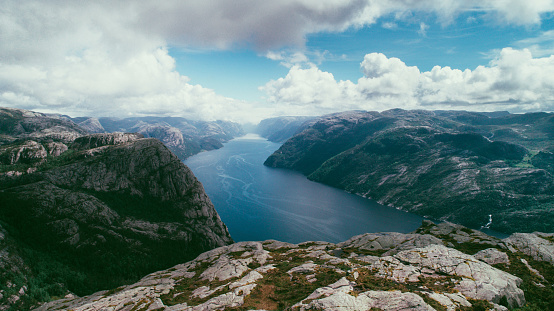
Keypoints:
pixel 259 203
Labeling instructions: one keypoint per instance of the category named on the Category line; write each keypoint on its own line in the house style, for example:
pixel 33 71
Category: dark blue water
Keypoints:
pixel 260 203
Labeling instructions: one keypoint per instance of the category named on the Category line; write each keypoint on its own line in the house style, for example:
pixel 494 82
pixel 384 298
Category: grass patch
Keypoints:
pixel 349 250
pixel 367 280
pixel 280 291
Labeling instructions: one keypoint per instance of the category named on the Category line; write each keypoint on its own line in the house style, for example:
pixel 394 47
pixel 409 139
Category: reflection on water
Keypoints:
pixel 260 203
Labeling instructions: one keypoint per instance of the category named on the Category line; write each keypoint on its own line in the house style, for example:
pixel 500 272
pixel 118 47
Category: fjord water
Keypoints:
pixel 259 203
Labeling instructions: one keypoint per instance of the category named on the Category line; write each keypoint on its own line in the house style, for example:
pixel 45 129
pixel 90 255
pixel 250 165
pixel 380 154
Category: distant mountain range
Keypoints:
pixel 449 165
pixel 279 129
pixel 184 137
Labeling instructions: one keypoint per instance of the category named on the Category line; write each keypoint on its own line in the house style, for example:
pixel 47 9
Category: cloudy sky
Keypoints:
pixel 244 60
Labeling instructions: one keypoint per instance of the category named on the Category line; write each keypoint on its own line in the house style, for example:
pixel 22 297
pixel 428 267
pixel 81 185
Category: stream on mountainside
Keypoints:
pixel 259 203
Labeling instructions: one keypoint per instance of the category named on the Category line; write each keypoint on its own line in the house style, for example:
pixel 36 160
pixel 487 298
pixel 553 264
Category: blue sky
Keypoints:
pixel 245 60
pixel 465 43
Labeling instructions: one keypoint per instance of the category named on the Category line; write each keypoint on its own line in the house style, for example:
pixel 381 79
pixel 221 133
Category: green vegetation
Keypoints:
pixel 539 292
pixel 455 166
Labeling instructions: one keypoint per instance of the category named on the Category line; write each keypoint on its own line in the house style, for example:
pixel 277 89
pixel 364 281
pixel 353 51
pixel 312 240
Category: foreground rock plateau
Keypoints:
pixel 438 267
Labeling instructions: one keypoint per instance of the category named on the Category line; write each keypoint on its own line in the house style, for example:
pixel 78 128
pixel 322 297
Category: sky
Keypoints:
pixel 245 60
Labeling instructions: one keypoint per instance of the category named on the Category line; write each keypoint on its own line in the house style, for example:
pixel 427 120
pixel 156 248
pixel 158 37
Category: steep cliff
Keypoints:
pixel 101 212
pixel 455 166
pixel 438 267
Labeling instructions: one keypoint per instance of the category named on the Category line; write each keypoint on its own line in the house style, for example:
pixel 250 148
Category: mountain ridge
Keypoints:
pixel 98 211
pixel 435 166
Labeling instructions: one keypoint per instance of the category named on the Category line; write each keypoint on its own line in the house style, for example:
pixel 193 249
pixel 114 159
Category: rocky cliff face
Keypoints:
pixel 94 212
pixel 449 166
pixel 438 267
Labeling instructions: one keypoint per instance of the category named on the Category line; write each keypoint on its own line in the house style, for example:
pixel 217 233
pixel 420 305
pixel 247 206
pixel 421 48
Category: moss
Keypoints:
pixel 236 255
pixel 367 280
pixel 143 304
pixel 278 290
pixel 548 238
pixel 183 290
pixel 432 302
pixel 466 230
pixel 349 250
pixel 114 291
pixel 254 265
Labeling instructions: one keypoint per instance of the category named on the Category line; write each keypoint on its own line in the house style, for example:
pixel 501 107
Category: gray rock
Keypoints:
pixel 492 256
pixel 99 140
pixel 229 267
pixel 479 280
pixel 533 244
pixel 384 300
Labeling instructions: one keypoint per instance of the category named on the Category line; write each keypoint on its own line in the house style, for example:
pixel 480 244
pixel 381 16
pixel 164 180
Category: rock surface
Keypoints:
pixel 422 273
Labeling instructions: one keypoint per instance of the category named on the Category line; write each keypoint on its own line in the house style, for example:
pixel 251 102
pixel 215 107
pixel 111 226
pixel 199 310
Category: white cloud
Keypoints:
pixel 513 81
pixel 389 25
pixel 519 12
pixel 423 29
pixel 110 57
pixel 542 45
pixel 310 92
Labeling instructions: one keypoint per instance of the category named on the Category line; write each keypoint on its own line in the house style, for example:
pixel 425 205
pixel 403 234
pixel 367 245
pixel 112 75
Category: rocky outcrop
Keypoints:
pixel 452 166
pixel 422 273
pixel 99 140
pixel 537 245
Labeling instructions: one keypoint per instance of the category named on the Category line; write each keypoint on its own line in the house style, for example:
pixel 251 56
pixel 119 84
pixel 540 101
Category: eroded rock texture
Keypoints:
pixel 430 269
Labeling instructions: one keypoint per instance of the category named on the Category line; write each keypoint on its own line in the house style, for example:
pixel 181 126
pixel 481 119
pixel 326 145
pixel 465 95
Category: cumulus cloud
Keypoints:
pixel 513 81
pixel 110 57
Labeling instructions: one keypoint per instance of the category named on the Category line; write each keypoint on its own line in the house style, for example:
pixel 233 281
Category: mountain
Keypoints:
pixel 80 213
pixel 182 136
pixel 455 166
pixel 22 124
pixel 280 129
pixel 437 267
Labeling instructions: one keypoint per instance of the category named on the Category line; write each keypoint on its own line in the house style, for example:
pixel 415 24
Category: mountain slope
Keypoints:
pixel 434 165
pixel 105 211
pixel 279 129
pixel 182 136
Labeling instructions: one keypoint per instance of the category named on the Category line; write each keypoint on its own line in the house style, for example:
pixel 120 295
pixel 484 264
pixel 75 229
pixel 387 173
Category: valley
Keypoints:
pixel 85 216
